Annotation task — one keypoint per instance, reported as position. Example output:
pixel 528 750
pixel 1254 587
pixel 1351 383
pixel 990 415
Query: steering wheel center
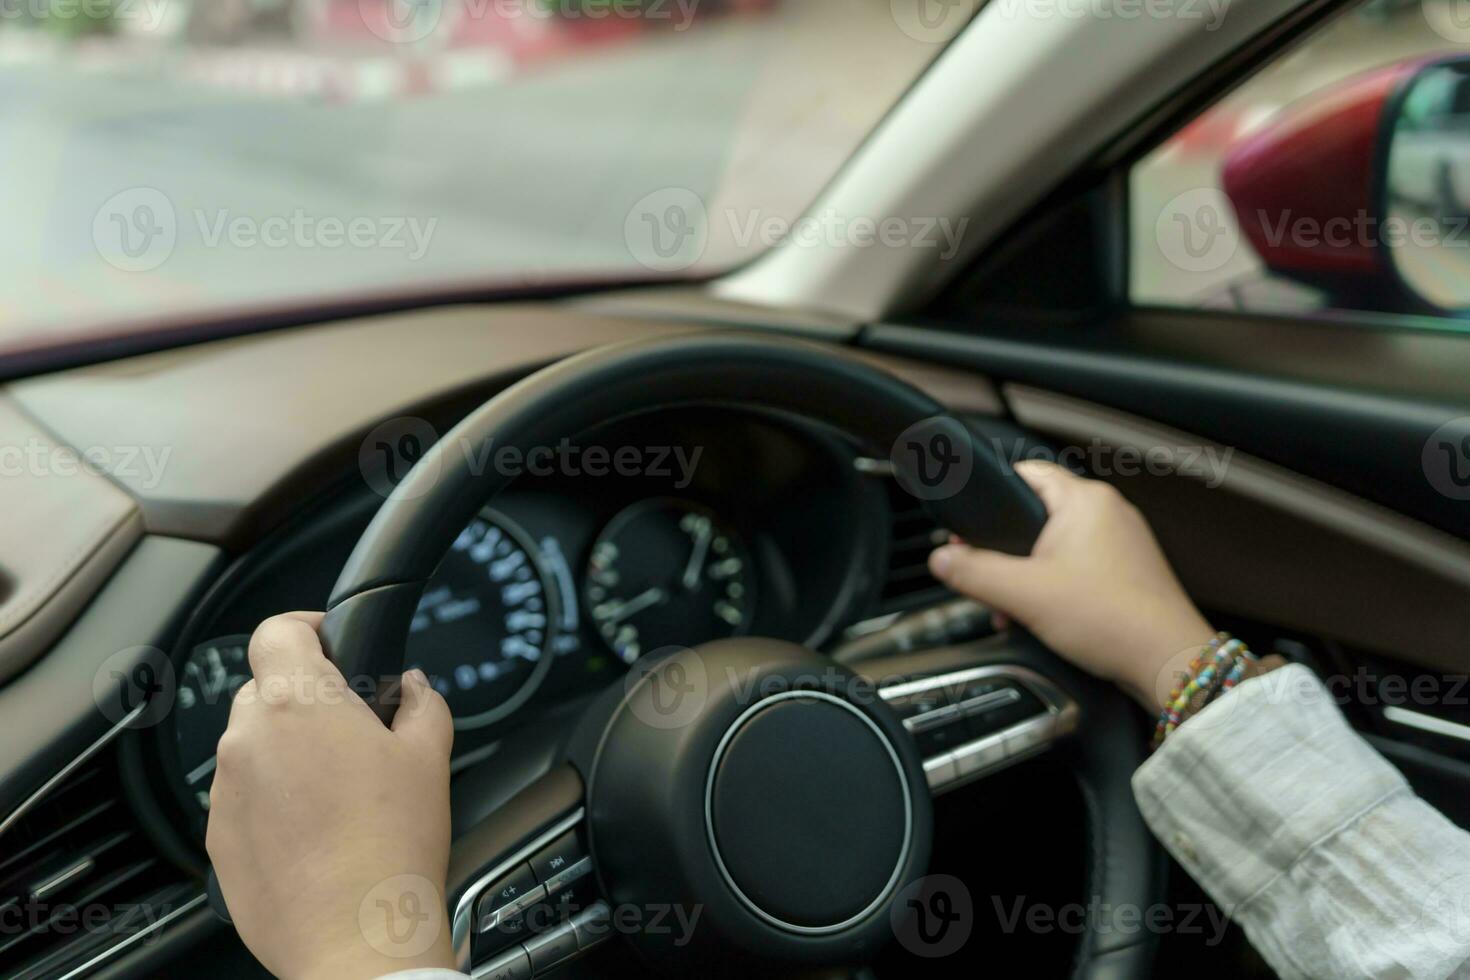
pixel 809 813
pixel 786 809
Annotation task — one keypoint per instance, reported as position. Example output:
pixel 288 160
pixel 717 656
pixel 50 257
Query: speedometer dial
pixel 665 573
pixel 482 631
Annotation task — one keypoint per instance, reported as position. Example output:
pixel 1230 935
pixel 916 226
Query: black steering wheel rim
pixel 378 589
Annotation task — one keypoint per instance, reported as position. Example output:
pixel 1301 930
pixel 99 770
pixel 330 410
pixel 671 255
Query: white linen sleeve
pixel 1308 838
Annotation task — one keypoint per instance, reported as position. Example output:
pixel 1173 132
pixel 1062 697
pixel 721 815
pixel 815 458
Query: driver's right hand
pixel 1096 588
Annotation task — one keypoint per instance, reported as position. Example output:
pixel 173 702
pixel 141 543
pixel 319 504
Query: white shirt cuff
pixel 1302 833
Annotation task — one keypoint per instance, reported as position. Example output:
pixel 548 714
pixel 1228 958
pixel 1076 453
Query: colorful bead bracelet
pixel 1218 668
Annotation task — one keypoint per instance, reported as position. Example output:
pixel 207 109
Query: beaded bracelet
pixel 1222 665
pixel 1195 666
pixel 1188 685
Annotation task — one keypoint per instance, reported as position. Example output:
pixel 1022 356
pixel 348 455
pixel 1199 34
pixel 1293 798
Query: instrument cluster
pixel 564 580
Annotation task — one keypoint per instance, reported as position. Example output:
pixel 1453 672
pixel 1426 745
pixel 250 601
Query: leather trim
pixel 959 391
pixel 254 423
pixel 1274 545
pixel 67 529
pixel 52 711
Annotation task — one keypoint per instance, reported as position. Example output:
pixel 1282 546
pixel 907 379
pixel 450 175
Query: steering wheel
pixel 782 794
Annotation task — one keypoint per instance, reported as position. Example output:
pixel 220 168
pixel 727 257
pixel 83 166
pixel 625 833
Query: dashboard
pixel 737 522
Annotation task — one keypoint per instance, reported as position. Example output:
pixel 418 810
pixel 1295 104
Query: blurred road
pixel 512 179
pixel 504 174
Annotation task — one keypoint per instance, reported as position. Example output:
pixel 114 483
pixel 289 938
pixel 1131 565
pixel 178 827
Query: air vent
pixel 78 878
pixel 913 534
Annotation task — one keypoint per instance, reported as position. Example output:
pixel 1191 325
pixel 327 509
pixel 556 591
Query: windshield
pixel 169 158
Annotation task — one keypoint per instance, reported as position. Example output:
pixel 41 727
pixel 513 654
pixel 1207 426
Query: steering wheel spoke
pixel 525 893
pixel 971 722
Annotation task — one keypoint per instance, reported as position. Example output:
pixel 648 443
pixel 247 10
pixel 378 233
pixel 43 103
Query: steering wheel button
pixel 984 700
pixel 526 900
pixel 512 965
pixel 979 756
pixel 941 771
pixel 933 719
pixel 1029 736
pixel 996 715
pixel 910 705
pixel 933 741
pixel 500 901
pixel 975 689
pixel 593 926
pixel 575 872
pixel 552 947
pixel 557 857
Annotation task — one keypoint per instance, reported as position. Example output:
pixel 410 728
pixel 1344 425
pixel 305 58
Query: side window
pixel 1337 178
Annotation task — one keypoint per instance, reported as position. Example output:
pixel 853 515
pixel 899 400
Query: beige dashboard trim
pixel 1272 544
pixel 252 426
pixel 65 529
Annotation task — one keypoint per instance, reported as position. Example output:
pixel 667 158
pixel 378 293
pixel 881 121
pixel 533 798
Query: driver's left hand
pixel 330 833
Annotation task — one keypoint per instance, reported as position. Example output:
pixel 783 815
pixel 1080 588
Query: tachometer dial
pixel 665 573
pixel 208 682
pixel 482 631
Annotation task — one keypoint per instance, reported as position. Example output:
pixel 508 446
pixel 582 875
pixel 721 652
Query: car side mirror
pixel 1363 190
pixel 1426 183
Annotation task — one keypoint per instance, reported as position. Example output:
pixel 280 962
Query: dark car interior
pixel 1292 468
pixel 829 553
